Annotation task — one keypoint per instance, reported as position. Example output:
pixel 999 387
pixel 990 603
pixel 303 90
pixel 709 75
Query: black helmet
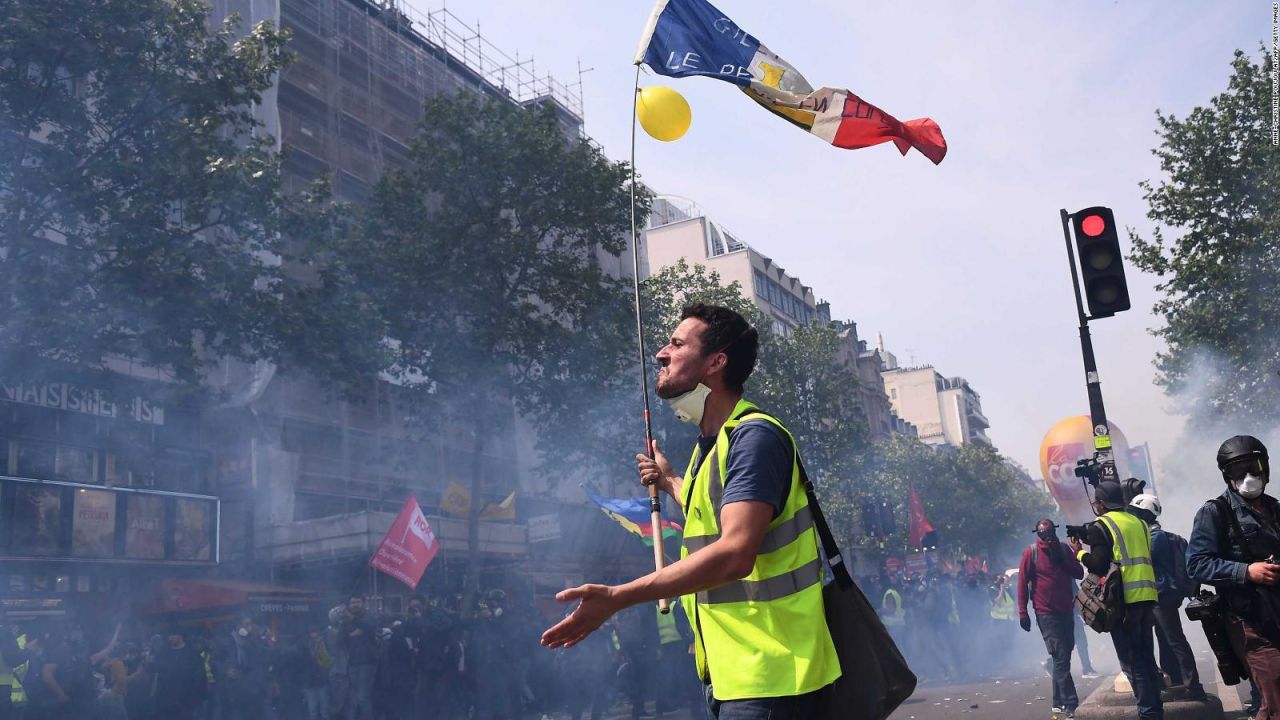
pixel 1241 447
pixel 1110 494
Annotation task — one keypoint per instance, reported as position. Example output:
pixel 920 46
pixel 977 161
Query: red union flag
pixel 408 547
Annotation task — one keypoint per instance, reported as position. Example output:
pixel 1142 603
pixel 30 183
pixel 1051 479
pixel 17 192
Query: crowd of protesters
pixel 956 627
pixel 356 664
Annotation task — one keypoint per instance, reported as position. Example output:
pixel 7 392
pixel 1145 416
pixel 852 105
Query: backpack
pixel 1181 580
pixel 1101 599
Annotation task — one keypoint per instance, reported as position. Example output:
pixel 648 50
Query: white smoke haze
pixel 1187 474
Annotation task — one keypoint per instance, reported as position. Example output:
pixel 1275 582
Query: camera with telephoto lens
pixel 1077 531
pixel 1210 611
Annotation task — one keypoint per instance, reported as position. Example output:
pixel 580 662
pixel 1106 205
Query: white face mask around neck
pixel 689 406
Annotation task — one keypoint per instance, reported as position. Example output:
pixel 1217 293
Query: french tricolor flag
pixel 692 37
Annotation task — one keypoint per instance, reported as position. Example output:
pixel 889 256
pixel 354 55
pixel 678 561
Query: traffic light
pixel 1101 263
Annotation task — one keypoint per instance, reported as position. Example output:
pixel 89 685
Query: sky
pixel 1045 105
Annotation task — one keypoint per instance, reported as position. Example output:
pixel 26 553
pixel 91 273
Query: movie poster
pixel 144 527
pixel 93 525
pixel 37 520
pixel 193 530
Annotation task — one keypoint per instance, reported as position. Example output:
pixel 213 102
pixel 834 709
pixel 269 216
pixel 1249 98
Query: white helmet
pixel 1147 502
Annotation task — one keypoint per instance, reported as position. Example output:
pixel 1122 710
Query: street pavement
pixel 1018 697
pixel 1030 696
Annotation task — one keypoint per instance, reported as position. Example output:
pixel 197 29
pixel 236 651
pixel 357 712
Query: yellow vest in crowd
pixel 765 635
pixel 11 677
pixel 1131 547
pixel 1004 608
pixel 897 616
pixel 667 632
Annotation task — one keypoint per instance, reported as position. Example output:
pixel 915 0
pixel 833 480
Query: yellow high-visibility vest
pixel 12 677
pixel 1004 608
pixel 897 616
pixel 1131 548
pixel 765 635
pixel 667 631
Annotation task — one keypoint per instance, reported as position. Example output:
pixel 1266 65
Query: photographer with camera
pixel 1232 547
pixel 1045 578
pixel 1124 539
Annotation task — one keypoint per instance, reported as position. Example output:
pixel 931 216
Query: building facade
pixel 944 410
pixel 678 229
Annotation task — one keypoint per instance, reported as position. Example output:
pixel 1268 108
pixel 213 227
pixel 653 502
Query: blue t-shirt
pixel 759 464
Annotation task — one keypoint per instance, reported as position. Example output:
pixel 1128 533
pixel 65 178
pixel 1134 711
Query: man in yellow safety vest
pixel 749 569
pixel 13 666
pixel 1120 537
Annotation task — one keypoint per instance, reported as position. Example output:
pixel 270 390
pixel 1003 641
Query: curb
pixel 1107 704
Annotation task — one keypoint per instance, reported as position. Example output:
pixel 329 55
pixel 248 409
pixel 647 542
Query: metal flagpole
pixel 655 500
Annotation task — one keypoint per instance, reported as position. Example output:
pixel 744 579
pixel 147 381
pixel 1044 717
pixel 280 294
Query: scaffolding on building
pixel 352 100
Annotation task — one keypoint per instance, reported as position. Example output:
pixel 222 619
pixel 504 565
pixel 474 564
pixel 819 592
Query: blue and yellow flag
pixel 692 37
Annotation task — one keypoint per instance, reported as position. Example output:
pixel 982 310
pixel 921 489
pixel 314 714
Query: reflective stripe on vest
pixel 1131 539
pixel 667 632
pixel 766 634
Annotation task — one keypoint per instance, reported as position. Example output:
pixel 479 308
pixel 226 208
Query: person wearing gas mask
pixel 748 534
pixel 1045 579
pixel 1121 537
pixel 1233 546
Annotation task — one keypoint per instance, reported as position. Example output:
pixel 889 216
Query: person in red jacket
pixel 1045 576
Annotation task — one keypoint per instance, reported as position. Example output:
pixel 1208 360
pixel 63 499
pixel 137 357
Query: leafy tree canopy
pixel 137 197
pixel 1216 250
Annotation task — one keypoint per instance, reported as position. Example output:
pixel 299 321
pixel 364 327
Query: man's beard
pixel 666 390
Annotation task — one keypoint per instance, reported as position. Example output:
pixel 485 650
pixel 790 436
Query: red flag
pixel 408 548
pixel 920 525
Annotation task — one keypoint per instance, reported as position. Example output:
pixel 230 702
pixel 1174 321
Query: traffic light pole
pixel 1102 450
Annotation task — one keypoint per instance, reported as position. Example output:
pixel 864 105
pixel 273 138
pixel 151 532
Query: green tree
pixel 972 496
pixel 482 259
pixel 137 196
pixel 803 379
pixel 1216 250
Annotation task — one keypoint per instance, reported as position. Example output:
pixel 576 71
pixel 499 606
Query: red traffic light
pixel 1093 226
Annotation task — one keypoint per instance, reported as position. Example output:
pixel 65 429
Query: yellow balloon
pixel 663 113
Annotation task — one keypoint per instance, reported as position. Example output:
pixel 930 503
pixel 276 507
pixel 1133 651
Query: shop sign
pixel 544 527
pixel 283 607
pixel 76 398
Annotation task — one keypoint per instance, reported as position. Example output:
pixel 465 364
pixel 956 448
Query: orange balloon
pixel 1066 443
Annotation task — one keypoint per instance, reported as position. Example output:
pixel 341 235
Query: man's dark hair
pixel 729 333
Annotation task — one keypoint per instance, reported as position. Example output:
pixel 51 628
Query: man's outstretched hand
pixel 597 603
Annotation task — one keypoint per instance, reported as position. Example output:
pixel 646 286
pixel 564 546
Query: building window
pixel 893 393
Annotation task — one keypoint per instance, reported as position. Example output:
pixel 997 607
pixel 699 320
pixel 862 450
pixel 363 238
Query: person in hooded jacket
pixel 1045 578
pixel 1233 546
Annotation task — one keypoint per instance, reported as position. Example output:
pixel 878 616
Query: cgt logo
pixel 1061 461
